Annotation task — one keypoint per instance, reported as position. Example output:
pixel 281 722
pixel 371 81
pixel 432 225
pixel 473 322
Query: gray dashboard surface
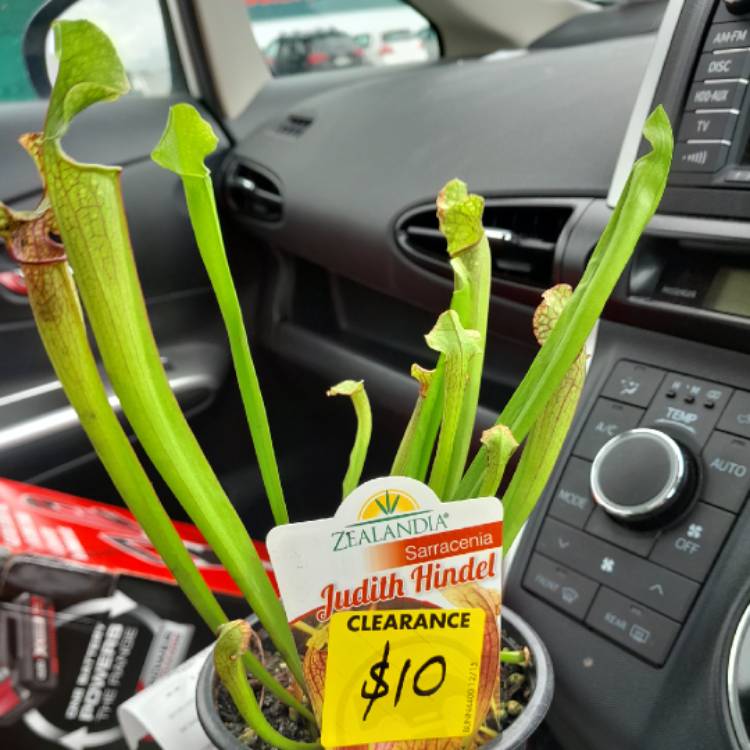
pixel 546 123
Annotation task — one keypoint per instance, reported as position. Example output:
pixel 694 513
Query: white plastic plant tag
pixel 166 710
pixel 395 604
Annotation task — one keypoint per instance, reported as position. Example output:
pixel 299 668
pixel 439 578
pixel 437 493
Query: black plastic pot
pixel 514 738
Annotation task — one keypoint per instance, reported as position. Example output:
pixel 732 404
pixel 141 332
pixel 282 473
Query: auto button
pixel 726 471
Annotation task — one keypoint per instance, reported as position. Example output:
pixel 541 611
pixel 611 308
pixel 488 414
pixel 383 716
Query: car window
pixel 341 34
pixel 137 28
pixel 398 36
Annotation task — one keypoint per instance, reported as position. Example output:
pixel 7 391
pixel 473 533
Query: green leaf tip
pixel 185 143
pixel 460 215
pixel 233 639
pixel 346 388
pixel 450 337
pixel 90 71
pixel 657 130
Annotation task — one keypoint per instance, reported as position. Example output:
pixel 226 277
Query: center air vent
pixel 522 239
pixel 254 194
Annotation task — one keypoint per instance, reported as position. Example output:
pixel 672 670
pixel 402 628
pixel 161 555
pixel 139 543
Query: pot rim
pixel 513 738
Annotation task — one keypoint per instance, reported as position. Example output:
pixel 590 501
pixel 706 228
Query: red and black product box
pixel 89 615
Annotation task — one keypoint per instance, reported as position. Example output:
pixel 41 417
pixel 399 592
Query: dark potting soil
pixel 277 713
pixel 516 687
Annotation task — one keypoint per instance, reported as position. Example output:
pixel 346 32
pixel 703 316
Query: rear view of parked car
pixel 320 50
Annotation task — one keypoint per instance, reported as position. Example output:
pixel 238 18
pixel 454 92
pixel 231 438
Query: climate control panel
pixel 657 476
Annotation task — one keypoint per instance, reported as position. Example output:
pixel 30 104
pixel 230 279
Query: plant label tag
pixel 395 605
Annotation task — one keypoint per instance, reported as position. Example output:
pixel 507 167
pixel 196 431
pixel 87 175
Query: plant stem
pixel 634 209
pixel 187 140
pixel 523 656
pixel 232 642
pixel 89 209
pixel 57 313
pixel 500 445
pixel 547 436
pixel 407 456
pixel 459 346
pixel 355 389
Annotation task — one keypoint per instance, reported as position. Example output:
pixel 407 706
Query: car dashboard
pixel 642 604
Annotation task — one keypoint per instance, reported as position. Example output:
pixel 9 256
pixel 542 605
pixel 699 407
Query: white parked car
pixel 394 47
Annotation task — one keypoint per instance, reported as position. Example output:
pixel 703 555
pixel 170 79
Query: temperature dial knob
pixel 643 476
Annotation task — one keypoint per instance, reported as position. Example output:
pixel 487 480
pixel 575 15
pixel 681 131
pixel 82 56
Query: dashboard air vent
pixel 522 239
pixel 294 125
pixel 254 194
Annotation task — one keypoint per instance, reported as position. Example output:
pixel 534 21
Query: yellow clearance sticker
pixel 401 674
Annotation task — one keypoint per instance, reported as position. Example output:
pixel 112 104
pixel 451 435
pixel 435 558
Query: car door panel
pixel 39 433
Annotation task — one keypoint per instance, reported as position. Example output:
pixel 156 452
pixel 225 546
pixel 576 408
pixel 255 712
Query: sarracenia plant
pixel 75 247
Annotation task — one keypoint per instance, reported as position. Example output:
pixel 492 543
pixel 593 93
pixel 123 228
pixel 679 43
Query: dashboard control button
pixel 635 540
pixel 726 471
pixel 606 420
pixel 731 35
pixel 567 590
pixel 713 126
pixel 723 95
pixel 737 175
pixel 690 547
pixel 690 423
pixel 633 383
pixel 736 418
pixel 628 623
pixel 699 157
pixel 723 65
pixel 729 10
pixel 642 475
pixel 572 502
pixel 650 584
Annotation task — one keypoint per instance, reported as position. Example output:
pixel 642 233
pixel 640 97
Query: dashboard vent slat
pixel 254 194
pixel 294 125
pixel 522 238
